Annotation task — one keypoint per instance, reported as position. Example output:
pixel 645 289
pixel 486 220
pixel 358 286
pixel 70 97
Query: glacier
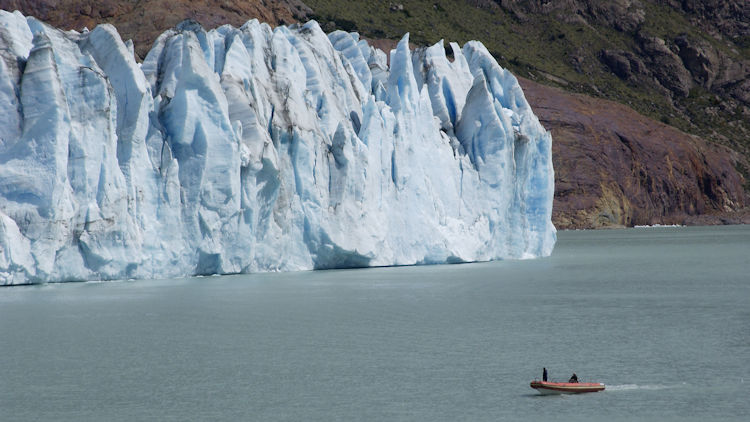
pixel 252 149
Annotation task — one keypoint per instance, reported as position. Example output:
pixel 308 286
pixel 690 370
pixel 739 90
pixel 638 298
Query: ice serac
pixel 258 149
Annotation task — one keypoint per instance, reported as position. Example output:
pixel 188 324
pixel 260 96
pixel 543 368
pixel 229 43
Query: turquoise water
pixel 660 315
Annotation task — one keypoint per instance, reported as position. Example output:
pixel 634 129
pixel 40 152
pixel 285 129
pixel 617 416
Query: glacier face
pixel 258 149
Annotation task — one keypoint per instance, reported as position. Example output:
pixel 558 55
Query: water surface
pixel 660 315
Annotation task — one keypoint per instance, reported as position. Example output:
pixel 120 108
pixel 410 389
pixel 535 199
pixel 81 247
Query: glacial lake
pixel 660 315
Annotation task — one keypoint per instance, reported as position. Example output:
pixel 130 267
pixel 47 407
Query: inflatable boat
pixel 547 387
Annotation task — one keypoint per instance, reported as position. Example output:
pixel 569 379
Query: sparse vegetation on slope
pixel 637 53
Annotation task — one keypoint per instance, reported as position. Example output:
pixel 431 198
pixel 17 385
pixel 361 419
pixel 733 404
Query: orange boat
pixel 546 387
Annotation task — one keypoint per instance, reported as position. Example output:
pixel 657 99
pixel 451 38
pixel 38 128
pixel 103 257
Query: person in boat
pixel 544 374
pixel 573 378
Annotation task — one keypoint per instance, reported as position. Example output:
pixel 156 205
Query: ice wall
pixel 258 149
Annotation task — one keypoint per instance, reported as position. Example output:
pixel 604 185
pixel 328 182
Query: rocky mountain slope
pixel 614 166
pixel 692 58
pixel 680 71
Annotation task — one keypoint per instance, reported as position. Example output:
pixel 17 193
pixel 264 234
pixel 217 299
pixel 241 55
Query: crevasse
pixel 257 149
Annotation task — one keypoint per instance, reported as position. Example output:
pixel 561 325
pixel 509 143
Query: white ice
pixel 257 149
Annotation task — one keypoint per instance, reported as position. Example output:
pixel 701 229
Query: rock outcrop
pixel 614 167
pixel 678 63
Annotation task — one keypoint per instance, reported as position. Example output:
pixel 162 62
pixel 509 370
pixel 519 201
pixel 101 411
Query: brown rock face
pixel 144 20
pixel 614 167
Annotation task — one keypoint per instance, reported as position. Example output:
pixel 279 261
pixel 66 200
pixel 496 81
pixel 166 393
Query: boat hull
pixel 546 387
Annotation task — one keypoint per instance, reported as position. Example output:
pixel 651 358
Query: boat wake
pixel 629 387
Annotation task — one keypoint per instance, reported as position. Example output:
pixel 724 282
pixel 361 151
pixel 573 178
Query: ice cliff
pixel 258 149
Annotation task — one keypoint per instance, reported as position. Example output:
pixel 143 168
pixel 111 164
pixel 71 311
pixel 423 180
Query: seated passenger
pixel 573 378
